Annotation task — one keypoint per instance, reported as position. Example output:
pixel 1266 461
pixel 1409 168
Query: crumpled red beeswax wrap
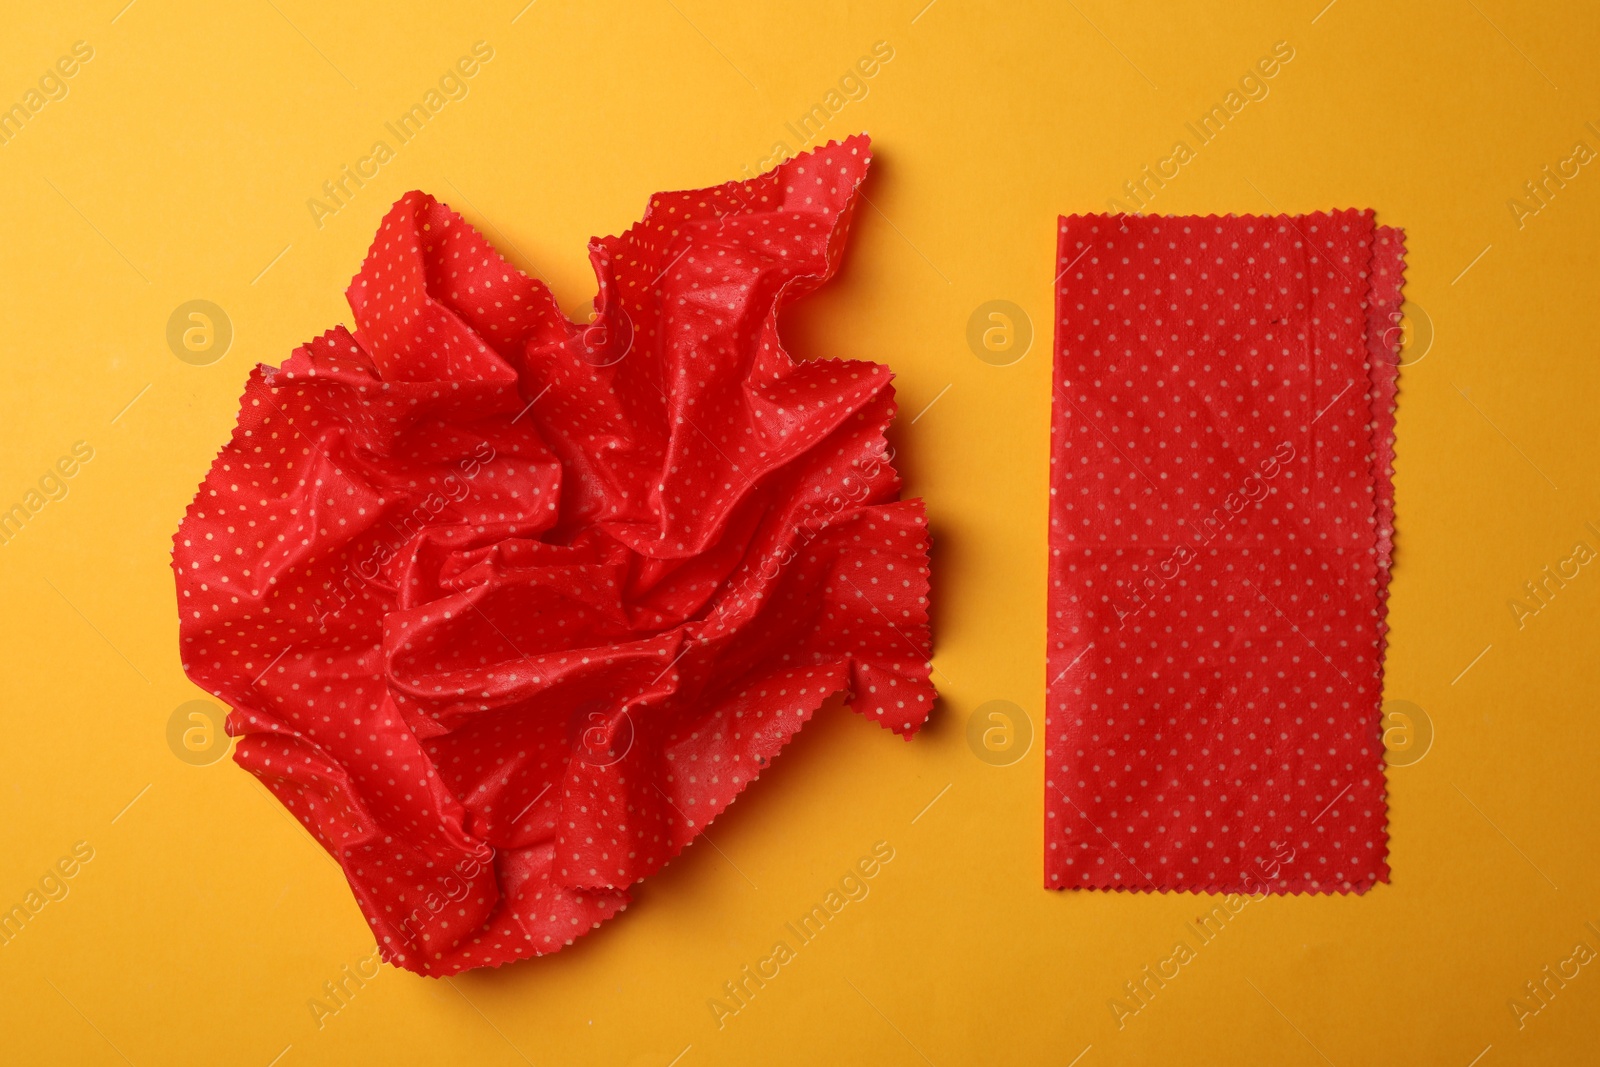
pixel 509 608
pixel 1221 527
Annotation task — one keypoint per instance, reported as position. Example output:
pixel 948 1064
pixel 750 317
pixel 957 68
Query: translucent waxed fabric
pixel 508 607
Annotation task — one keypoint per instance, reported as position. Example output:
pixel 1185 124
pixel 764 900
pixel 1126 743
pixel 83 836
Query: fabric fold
pixel 1221 529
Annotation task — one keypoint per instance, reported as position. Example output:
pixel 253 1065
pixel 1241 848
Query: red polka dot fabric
pixel 509 608
pixel 1221 530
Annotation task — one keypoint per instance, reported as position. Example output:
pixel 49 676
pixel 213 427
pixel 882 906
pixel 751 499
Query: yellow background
pixel 178 167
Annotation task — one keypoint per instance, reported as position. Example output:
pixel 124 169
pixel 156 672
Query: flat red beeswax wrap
pixel 1221 527
pixel 508 608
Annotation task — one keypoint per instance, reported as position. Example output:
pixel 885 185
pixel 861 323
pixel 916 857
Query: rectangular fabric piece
pixel 1221 528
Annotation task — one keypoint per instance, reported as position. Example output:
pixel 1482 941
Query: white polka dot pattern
pixel 509 608
pixel 1221 526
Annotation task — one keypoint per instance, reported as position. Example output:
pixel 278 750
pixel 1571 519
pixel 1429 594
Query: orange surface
pixel 176 915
